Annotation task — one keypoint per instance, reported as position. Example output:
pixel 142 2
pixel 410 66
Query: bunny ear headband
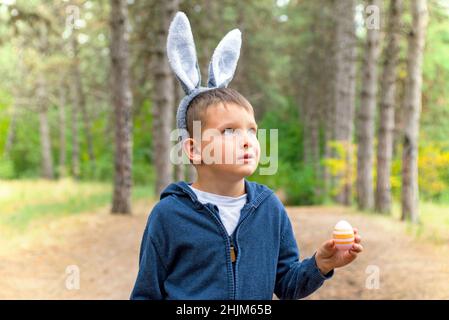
pixel 182 57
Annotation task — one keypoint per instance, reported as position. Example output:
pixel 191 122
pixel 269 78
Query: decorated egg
pixel 343 235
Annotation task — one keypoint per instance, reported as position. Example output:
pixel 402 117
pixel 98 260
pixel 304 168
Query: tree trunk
pixel 122 101
pixel 312 102
pixel 345 90
pixel 163 101
pixel 387 109
pixel 75 134
pixel 11 135
pixel 42 108
pixel 62 131
pixel 365 117
pixel 311 133
pixel 399 116
pixel 44 130
pixel 412 108
pixel 178 93
pixel 328 107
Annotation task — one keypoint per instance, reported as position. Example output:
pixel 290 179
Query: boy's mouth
pixel 246 157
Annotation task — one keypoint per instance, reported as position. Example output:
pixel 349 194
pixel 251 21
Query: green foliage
pixel 301 184
pixel 6 168
pixel 433 173
pixel 143 170
pixel 435 116
pixel 4 119
pixel 338 166
pixel 293 177
pixel 26 153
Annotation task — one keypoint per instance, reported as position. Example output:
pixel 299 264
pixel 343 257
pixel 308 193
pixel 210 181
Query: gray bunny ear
pixel 181 53
pixel 224 60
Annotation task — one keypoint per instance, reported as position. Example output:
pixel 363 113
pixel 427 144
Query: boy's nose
pixel 246 141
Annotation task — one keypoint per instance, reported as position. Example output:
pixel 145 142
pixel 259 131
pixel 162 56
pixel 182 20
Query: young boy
pixel 222 236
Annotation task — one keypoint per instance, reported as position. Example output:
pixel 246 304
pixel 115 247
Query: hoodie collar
pixel 256 193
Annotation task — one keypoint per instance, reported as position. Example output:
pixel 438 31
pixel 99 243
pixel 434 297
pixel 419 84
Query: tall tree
pixel 122 101
pixel 312 100
pixel 327 111
pixel 74 124
pixel 62 128
pixel 318 86
pixel 44 129
pixel 179 169
pixel 345 57
pixel 11 135
pixel 80 98
pixel 387 108
pixel 42 101
pixel 412 106
pixel 163 100
pixel 366 111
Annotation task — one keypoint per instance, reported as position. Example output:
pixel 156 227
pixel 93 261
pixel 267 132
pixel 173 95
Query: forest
pixel 344 115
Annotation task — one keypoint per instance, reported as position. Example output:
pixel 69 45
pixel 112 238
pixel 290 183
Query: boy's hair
pixel 198 106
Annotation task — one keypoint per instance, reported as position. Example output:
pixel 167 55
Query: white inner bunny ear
pixel 224 60
pixel 181 52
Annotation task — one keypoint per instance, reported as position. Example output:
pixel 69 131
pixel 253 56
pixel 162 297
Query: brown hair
pixel 198 106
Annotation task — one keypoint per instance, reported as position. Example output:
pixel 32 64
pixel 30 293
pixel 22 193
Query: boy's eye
pixel 228 131
pixel 231 131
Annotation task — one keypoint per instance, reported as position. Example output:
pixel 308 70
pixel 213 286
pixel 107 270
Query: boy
pixel 222 236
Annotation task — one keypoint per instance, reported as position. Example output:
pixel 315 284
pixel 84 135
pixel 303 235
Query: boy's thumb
pixel 329 245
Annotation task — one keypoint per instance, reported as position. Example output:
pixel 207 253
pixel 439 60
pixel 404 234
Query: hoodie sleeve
pixel 295 279
pixel 152 272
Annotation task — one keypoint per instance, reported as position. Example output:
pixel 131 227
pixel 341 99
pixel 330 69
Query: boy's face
pixel 229 144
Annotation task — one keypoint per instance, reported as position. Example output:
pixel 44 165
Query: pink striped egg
pixel 343 235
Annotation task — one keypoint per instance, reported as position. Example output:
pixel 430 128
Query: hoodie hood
pixel 256 193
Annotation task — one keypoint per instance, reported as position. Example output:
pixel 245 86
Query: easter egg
pixel 343 235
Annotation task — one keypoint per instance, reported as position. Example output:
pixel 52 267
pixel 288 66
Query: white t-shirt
pixel 228 207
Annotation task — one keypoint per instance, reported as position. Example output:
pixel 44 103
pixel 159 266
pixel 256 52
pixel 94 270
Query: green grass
pixel 24 201
pixel 433 224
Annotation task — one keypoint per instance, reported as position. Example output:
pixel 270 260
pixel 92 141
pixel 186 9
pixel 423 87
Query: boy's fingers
pixel 357 239
pixel 356 231
pixel 350 255
pixel 357 248
pixel 329 246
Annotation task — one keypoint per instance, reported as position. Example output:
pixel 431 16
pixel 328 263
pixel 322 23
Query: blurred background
pixel 356 89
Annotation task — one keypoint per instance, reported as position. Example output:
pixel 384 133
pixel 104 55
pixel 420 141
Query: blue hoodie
pixel 185 251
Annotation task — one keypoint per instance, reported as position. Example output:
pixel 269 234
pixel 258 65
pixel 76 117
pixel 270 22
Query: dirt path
pixel 105 249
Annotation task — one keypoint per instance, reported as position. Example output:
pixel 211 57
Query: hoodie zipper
pixel 232 244
pixel 229 240
pixel 233 250
pixel 233 263
pixel 234 270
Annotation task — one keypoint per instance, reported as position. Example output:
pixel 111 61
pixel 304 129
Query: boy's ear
pixel 181 53
pixel 192 151
pixel 224 60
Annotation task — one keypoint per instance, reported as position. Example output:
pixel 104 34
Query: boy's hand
pixel 328 257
